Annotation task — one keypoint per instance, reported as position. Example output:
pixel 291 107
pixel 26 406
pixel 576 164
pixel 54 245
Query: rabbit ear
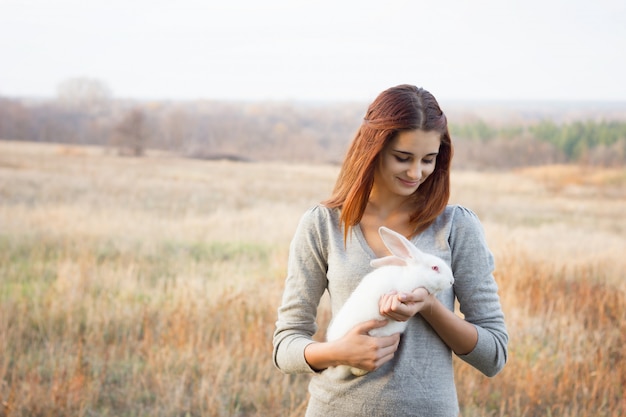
pixel 398 245
pixel 387 260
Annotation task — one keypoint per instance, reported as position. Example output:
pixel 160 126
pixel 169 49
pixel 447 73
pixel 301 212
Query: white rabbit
pixel 406 269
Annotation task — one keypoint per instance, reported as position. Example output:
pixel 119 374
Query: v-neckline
pixel 367 248
pixel 363 242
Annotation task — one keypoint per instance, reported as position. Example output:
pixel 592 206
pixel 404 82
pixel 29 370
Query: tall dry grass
pixel 149 286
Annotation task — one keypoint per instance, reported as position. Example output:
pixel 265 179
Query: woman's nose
pixel 415 172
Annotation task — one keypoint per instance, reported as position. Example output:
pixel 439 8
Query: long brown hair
pixel 400 108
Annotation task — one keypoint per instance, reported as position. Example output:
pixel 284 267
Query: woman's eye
pixel 429 161
pixel 401 159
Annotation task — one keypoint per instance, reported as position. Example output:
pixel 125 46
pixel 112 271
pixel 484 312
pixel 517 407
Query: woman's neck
pixel 385 205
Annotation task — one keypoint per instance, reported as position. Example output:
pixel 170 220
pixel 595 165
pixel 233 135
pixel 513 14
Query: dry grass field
pixel 149 287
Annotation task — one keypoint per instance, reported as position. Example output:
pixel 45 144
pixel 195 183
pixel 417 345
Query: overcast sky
pixel 317 50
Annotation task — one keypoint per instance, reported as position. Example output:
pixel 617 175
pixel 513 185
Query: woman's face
pixel 407 161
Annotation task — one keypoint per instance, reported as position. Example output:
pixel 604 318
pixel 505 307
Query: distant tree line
pixel 84 113
pixel 200 129
pixel 582 141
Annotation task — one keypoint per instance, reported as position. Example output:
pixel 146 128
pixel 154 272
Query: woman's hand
pixel 460 335
pixel 403 306
pixel 357 349
pixel 367 352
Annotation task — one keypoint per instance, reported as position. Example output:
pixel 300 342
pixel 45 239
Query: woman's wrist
pixel 319 355
pixel 430 303
pixel 460 335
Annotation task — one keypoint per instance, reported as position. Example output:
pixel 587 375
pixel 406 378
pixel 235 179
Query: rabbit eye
pixel 435 268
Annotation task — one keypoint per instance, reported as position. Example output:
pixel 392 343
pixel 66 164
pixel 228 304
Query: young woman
pixel 396 174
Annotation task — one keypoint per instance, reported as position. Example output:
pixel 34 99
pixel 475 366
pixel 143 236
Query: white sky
pixel 317 50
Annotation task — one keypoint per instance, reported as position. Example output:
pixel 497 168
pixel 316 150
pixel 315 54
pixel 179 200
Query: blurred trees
pixel 15 120
pixel 85 113
pixel 543 142
pixel 601 142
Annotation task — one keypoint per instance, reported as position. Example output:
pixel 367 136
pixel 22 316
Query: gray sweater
pixel 419 380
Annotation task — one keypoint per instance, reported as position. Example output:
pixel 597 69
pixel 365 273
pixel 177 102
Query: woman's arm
pixel 304 285
pixel 480 337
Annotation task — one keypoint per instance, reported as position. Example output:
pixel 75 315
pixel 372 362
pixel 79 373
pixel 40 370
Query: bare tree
pixel 131 133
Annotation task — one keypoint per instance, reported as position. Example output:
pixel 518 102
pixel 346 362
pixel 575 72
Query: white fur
pixel 406 269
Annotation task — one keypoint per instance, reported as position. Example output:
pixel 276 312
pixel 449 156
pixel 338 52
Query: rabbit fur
pixel 406 269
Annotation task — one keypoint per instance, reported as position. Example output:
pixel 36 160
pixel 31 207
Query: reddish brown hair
pixel 397 109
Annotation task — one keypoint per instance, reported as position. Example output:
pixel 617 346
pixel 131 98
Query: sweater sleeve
pixel 477 292
pixel 305 284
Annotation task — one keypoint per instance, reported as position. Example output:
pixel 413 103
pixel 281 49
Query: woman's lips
pixel 409 183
